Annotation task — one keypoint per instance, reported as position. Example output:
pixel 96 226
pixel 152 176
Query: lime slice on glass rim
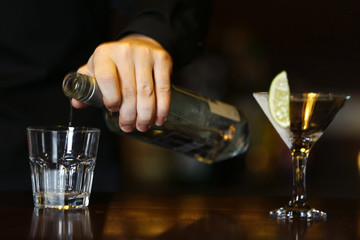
pixel 279 100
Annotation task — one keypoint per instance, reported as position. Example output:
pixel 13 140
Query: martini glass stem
pixel 299 157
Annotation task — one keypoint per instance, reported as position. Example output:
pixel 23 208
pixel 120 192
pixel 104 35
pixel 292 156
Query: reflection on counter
pixel 61 224
pixel 174 216
pixel 297 228
pixel 145 219
pixel 196 217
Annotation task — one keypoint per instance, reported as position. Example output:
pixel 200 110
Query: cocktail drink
pixel 310 114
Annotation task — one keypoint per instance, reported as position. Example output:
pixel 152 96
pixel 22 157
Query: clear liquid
pixel 310 117
pixel 206 144
pixel 65 184
pixel 319 110
pixel 70 114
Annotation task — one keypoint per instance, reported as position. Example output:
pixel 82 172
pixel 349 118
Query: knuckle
pixel 101 48
pixel 164 89
pixel 105 77
pixel 146 90
pixel 163 56
pixel 125 49
pixel 128 92
pixel 145 50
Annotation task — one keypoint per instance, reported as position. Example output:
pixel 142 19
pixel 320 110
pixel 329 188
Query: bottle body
pixel 205 129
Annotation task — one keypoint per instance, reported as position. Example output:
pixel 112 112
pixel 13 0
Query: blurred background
pixel 249 42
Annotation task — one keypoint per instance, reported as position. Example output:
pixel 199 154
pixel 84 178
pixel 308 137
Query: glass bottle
pixel 206 129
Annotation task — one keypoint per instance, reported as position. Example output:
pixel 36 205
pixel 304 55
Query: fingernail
pixel 127 128
pixel 142 128
pixel 113 109
pixel 160 121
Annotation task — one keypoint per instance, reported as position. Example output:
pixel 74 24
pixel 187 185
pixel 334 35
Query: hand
pixel 133 75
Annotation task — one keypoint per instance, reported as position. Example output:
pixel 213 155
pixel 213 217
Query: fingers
pixel 153 69
pixel 103 68
pixel 128 111
pixel 133 75
pixel 105 72
pixel 145 92
pixel 162 72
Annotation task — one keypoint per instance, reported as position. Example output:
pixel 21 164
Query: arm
pixel 179 26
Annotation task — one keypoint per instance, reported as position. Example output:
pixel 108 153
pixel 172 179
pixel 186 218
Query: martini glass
pixel 310 114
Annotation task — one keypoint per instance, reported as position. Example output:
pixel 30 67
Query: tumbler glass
pixel 62 162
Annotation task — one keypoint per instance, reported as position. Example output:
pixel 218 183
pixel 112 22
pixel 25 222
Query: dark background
pixel 249 42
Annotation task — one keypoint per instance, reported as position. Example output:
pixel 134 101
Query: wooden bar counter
pixel 188 216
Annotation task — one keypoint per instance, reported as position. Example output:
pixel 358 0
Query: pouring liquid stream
pixel 69 134
pixel 70 114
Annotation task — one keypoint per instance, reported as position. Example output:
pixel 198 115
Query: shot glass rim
pixel 63 128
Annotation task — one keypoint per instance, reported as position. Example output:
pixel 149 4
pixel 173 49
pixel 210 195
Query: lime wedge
pixel 279 100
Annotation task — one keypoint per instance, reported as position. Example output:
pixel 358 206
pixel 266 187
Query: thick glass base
pixel 305 213
pixel 61 200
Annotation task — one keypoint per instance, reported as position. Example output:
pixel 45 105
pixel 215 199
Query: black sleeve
pixel 180 26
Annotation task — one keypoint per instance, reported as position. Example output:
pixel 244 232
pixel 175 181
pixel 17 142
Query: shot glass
pixel 62 162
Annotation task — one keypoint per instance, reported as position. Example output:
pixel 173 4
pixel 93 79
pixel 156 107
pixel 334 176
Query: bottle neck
pixel 82 88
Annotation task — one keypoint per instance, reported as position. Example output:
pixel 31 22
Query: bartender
pixel 41 41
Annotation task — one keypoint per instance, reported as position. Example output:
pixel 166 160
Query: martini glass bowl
pixel 310 114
